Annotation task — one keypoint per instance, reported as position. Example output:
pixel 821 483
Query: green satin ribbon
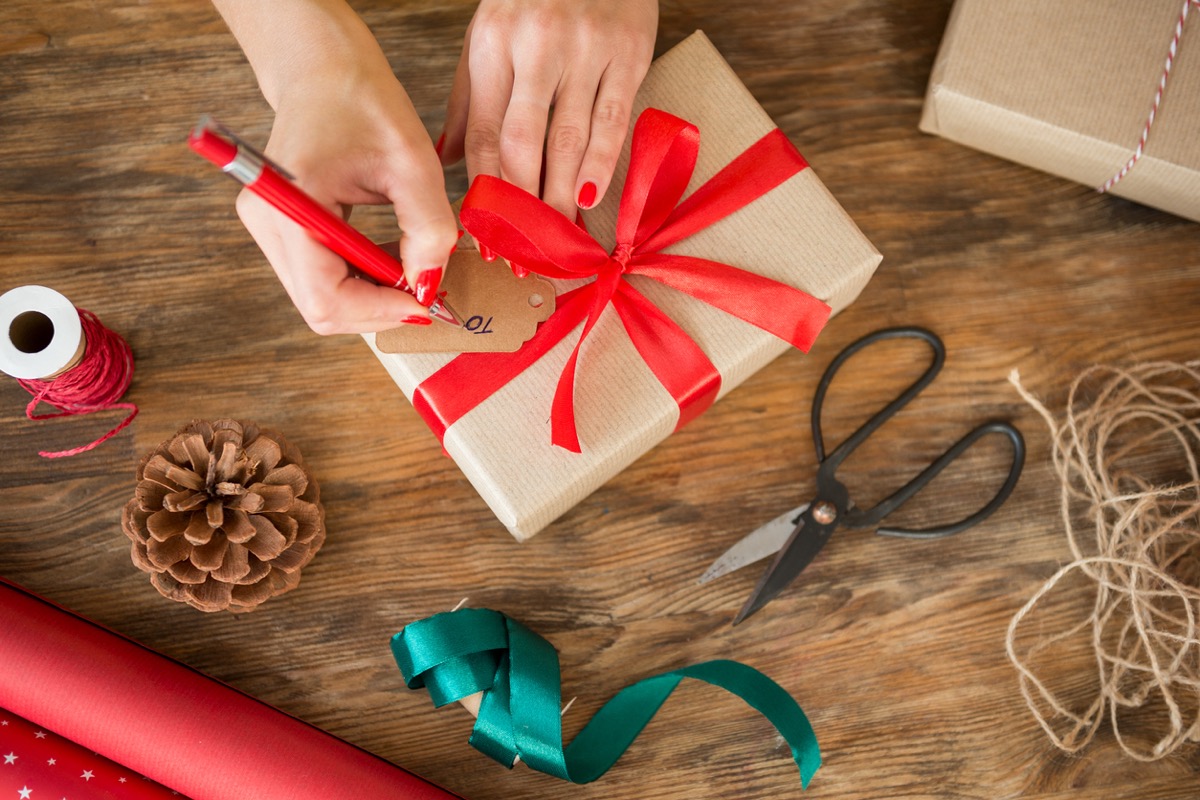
pixel 474 650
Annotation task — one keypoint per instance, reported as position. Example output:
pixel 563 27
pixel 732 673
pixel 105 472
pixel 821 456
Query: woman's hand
pixel 558 73
pixel 347 131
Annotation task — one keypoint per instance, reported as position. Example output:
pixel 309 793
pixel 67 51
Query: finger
pixel 491 84
pixel 333 300
pixel 414 184
pixel 523 132
pixel 321 286
pixel 610 126
pixel 452 142
pixel 567 142
pixel 256 215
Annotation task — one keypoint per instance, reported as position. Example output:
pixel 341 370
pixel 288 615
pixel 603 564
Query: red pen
pixel 271 183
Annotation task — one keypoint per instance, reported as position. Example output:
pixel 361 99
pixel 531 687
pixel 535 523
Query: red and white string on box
pixel 63 356
pixel 1158 96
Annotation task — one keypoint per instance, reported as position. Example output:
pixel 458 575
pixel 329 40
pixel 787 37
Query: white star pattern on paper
pixel 3 723
pixel 37 775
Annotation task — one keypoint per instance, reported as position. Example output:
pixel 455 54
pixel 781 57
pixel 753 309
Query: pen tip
pixel 442 311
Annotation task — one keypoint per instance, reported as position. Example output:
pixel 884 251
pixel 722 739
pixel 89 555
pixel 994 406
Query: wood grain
pixel 895 648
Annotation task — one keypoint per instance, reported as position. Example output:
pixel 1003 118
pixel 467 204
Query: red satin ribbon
pixel 526 231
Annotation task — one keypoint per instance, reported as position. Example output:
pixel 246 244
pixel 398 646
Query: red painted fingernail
pixel 454 247
pixel 486 252
pixel 587 195
pixel 427 286
pixel 519 271
pixel 416 319
pixel 437 148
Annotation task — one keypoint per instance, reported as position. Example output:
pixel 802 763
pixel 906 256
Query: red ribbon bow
pixel 526 231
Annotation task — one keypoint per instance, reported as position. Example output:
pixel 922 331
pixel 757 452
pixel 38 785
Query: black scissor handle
pixel 830 465
pixel 872 516
pixel 826 474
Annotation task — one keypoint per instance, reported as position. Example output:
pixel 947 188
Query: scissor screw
pixel 824 512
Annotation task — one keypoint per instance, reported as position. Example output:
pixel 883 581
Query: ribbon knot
pixel 651 218
pixel 621 254
pixel 479 650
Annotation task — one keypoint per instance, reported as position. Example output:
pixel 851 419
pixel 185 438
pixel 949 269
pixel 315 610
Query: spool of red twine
pixel 95 380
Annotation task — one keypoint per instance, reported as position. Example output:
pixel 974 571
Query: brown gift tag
pixel 500 312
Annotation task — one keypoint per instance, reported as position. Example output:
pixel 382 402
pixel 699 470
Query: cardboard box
pixel 1067 87
pixel 797 234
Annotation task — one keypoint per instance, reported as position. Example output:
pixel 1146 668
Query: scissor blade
pixel 800 549
pixel 761 543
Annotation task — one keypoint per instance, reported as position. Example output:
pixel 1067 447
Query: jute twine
pixel 1126 457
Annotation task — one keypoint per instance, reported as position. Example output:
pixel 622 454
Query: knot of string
pixel 1128 604
pixel 621 254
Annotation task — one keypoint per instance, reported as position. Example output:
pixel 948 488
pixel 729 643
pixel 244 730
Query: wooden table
pixel 895 648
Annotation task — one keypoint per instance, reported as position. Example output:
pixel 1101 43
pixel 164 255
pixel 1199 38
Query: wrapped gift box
pixel 1067 88
pixel 796 234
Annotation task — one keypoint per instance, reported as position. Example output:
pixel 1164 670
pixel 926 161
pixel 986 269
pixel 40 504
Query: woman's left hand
pixel 552 75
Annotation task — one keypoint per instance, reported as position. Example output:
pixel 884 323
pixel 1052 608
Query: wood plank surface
pixel 895 648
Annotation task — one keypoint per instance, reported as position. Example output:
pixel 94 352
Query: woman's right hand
pixel 348 133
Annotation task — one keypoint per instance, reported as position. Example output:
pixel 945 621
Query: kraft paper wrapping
pixel 170 723
pixel 1066 87
pixel 797 234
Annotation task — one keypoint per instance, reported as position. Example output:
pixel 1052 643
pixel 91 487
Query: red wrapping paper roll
pixel 171 723
pixel 39 763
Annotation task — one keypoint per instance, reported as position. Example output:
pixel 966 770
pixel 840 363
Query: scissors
pixel 798 535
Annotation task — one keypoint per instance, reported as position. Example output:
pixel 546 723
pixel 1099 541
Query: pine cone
pixel 224 516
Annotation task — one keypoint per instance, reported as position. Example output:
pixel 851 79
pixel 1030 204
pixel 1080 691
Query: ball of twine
pixel 1126 457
